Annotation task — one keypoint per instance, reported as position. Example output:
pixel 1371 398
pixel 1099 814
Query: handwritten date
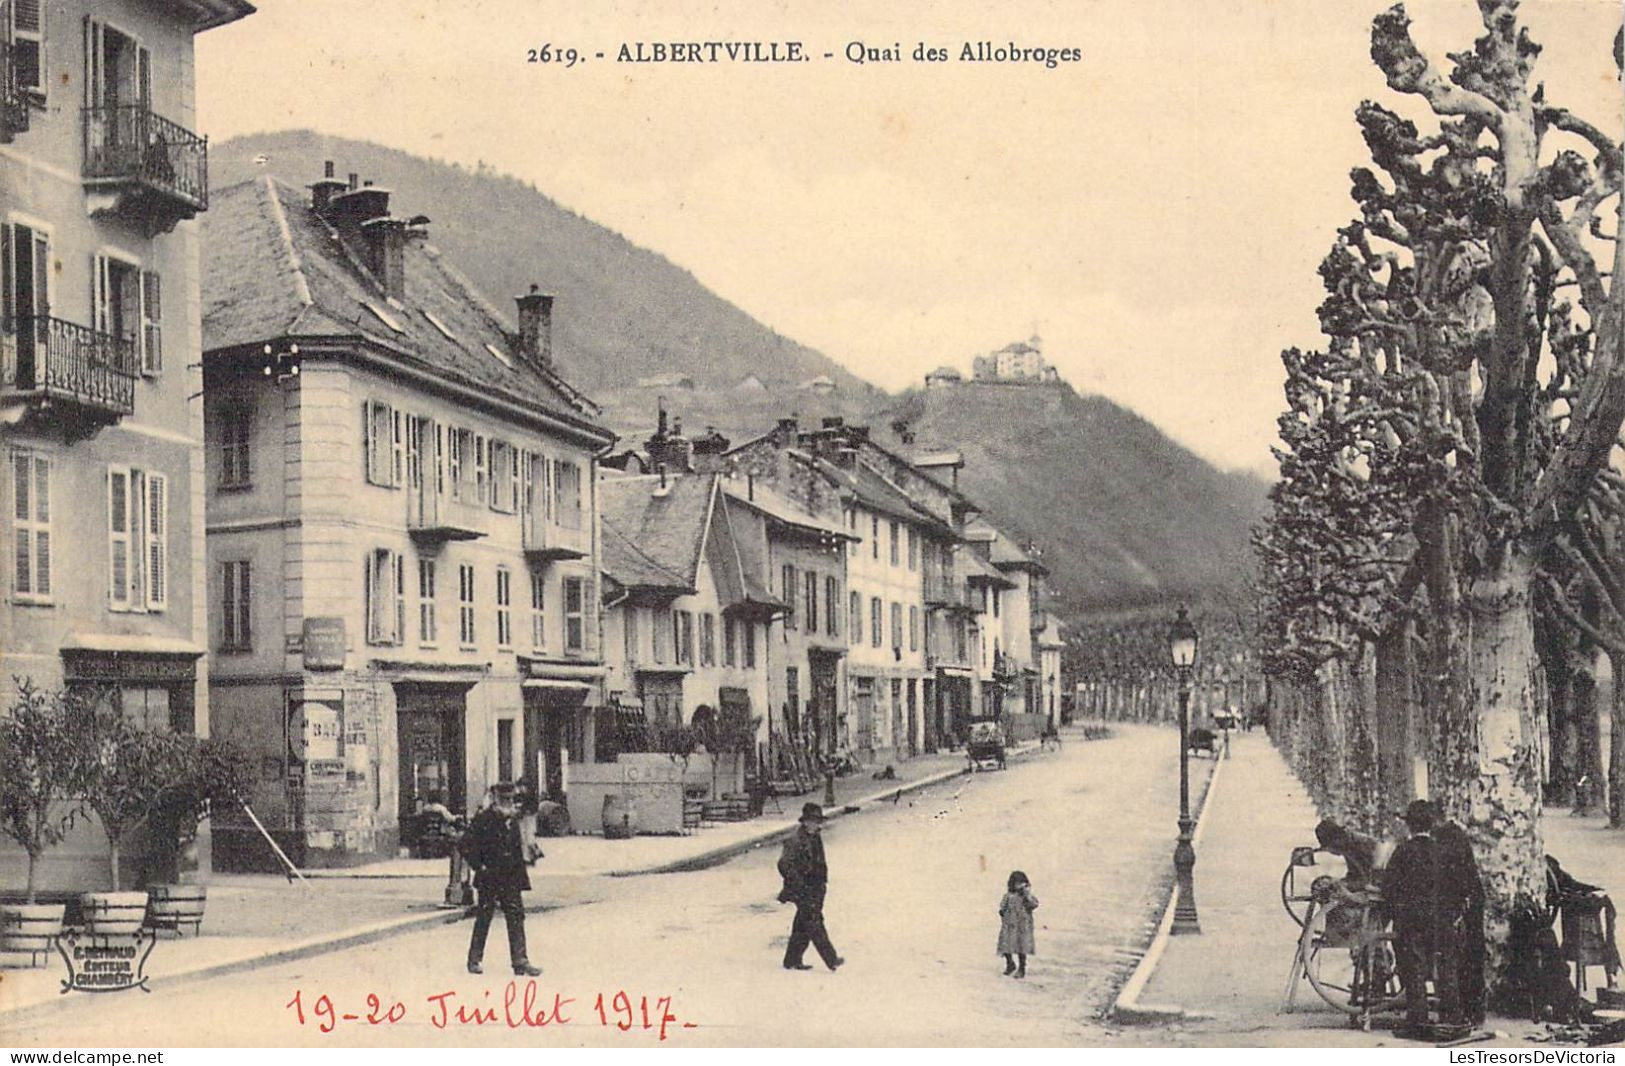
pixel 523 1006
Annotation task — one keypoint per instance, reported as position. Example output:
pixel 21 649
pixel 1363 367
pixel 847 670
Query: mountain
pixel 624 314
pixel 1125 516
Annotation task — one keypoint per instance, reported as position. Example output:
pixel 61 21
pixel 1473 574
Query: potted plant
pixel 128 771
pixel 40 771
pixel 205 772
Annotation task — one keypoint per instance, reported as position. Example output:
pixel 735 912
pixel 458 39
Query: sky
pixel 1154 211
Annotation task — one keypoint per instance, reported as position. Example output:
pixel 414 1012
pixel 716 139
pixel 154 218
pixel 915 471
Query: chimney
pixel 784 434
pixel 536 327
pixel 321 192
pixel 385 242
pixel 834 422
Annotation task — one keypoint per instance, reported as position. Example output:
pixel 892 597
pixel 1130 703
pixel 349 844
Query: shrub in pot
pixel 41 772
pixel 205 772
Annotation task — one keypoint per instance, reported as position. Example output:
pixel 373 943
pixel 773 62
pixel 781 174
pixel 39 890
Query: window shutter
pixel 118 536
pixel 22 511
pixel 152 339
pixel 399 567
pixel 8 272
pixel 100 294
pixel 369 466
pixel 42 525
pixel 157 541
pixel 28 28
pixel 228 605
pixel 397 449
pixel 370 623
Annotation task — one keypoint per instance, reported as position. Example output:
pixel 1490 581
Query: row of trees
pixel 64 754
pixel 1444 551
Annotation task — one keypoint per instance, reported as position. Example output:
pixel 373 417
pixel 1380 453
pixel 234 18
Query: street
pixel 914 892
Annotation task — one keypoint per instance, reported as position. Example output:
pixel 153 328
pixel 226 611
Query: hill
pixel 1126 517
pixel 624 314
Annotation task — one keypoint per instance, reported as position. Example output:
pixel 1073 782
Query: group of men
pixel 495 849
pixel 1432 892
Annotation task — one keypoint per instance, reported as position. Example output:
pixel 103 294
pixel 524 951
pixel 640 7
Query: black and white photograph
pixel 713 524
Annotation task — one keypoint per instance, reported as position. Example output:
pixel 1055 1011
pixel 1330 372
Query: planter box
pixel 114 912
pixel 30 930
pixel 176 906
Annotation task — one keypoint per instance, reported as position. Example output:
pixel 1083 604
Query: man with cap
pixel 495 851
pixel 1416 890
pixel 805 879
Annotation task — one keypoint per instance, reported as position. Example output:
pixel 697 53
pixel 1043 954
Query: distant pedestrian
pixel 806 878
pixel 495 851
pixel 1016 924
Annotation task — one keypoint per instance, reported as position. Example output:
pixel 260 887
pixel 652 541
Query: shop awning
pixel 549 684
pixel 131 644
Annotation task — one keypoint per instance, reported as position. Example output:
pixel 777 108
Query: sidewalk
pixel 1226 985
pixel 257 920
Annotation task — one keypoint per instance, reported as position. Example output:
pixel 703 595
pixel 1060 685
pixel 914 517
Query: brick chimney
pixel 321 192
pixel 385 243
pixel 536 327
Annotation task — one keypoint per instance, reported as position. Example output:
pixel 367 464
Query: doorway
pixel 430 722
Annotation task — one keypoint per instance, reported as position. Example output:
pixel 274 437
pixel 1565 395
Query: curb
pixel 1127 1008
pixel 723 853
pixel 300 949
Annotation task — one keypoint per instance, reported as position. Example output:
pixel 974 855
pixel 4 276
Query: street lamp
pixel 1182 641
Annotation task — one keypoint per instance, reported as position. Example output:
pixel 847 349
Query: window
pixel 138 539
pixel 459 463
pixel 662 626
pixel 384 593
pixel 913 549
pixel 28 45
pixel 575 616
pixel 708 639
pixel 748 645
pixel 236 627
pixel 787 588
pixel 567 507
pixel 874 535
pixel 854 620
pixel 236 429
pixel 504 749
pixel 832 606
pixel 896 537
pixel 538 612
pixel 482 471
pixel 730 642
pixel 504 477
pixel 465 605
pixel 31 523
pixel 812 602
pixel 913 629
pixel 629 615
pixel 897 626
pixel 25 292
pixel 384 446
pixel 504 607
pixel 876 622
pixel 683 626
pixel 427 634
pixel 125 301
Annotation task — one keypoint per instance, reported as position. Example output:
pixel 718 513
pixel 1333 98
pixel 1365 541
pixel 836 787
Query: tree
pixel 1456 280
pixel 129 770
pixel 41 773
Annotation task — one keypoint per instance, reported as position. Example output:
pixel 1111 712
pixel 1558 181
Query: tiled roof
pixel 654 540
pixel 877 494
pixel 972 566
pixel 272 269
pixel 781 508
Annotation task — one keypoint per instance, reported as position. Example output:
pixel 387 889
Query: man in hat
pixel 805 879
pixel 495 851
pixel 1416 890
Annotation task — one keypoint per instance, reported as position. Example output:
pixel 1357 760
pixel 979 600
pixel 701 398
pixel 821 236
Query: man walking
pixel 805 879
pixel 494 850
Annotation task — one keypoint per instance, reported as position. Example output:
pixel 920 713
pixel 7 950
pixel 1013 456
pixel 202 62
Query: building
pixel 944 377
pixel 686 620
pixel 1015 690
pixel 101 177
pixel 1049 642
pixel 402 533
pixel 803 555
pixel 1018 362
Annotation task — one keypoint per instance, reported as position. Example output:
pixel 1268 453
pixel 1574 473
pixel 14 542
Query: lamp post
pixel 1182 641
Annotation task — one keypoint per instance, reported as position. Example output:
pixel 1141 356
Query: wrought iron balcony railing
pixel 130 145
pixel 62 361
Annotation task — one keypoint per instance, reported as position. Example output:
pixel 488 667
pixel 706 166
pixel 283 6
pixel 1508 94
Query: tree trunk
pixel 1564 757
pixel 1487 766
pixel 1616 745
pixel 1396 718
pixel 113 860
pixel 1365 772
pixel 33 877
pixel 1588 792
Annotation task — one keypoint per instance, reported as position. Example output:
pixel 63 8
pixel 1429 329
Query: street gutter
pixel 1127 1008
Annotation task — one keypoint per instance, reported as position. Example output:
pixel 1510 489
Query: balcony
pixel 435 517
pixel 944 591
pixel 144 168
pixel 71 369
pixel 547 539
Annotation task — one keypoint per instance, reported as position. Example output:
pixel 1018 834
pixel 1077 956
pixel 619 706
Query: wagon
pixel 985 748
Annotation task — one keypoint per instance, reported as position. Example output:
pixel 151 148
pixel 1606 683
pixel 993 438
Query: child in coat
pixel 1016 924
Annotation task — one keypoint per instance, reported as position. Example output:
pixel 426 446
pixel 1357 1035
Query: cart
pixel 985 748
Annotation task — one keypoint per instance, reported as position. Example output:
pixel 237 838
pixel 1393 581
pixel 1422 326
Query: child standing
pixel 1016 924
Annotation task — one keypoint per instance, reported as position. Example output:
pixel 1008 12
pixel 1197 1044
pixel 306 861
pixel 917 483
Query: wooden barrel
pixel 114 912
pixel 30 927
pixel 174 906
pixel 618 817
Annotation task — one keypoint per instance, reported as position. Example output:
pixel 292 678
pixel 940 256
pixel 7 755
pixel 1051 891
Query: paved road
pixel 912 906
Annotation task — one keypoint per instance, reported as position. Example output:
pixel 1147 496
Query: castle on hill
pixel 1017 363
